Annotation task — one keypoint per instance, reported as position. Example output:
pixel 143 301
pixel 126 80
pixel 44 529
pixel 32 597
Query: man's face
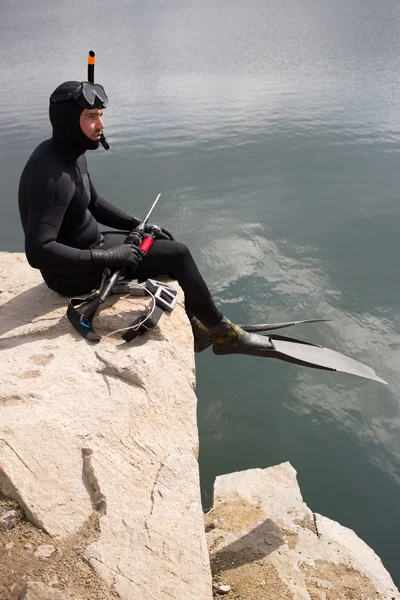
pixel 91 123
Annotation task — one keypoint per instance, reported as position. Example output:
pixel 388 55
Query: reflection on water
pixel 273 132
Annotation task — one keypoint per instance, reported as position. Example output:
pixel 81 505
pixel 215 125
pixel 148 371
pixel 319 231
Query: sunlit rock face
pixel 106 432
pixel 265 541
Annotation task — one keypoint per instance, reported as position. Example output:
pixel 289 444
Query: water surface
pixel 273 132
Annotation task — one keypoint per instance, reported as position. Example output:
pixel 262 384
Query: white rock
pixel 45 551
pixel 38 591
pixel 110 428
pixel 8 520
pixel 284 516
pixel 224 589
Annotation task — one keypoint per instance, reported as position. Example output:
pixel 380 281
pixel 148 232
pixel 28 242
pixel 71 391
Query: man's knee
pixel 181 251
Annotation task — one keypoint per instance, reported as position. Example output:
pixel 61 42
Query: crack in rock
pixel 107 383
pixel 17 455
pixel 128 376
pixel 316 525
pixel 91 483
pixel 146 523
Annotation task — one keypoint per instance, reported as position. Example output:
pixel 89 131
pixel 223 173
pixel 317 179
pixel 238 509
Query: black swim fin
pixel 203 342
pixel 295 351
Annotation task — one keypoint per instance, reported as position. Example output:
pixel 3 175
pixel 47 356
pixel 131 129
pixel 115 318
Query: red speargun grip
pixel 146 244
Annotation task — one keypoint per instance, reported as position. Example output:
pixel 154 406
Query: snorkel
pixel 91 63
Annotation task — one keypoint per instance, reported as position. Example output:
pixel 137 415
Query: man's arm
pixel 49 200
pixel 109 215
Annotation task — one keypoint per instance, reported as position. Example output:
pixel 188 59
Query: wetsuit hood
pixel 64 117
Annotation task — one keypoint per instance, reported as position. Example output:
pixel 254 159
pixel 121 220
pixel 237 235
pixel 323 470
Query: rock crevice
pixel 98 499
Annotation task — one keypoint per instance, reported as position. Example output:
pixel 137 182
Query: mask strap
pixel 69 96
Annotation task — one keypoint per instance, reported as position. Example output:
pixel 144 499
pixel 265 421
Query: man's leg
pixel 175 260
pixel 165 257
pixel 80 284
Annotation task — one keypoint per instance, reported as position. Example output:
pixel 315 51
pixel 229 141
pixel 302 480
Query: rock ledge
pixel 105 434
pixel 265 542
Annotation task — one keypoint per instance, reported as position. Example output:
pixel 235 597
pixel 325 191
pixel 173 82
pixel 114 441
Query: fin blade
pixel 323 358
pixel 270 326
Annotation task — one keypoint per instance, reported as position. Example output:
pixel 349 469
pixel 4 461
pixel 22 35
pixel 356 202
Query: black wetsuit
pixel 60 211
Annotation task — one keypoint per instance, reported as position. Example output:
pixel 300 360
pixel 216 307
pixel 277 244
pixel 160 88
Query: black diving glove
pixel 158 233
pixel 119 256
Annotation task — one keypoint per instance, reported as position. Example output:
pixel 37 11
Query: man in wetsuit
pixel 60 214
pixel 61 211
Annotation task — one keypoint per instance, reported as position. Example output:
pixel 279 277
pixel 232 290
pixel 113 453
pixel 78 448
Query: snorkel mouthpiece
pixel 104 142
pixel 91 63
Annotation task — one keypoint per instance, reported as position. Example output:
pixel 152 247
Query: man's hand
pixel 119 256
pixel 158 233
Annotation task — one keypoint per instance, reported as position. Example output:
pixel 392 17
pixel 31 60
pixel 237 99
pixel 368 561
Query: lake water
pixel 272 131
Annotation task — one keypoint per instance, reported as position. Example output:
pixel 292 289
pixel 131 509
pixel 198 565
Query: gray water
pixel 273 132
